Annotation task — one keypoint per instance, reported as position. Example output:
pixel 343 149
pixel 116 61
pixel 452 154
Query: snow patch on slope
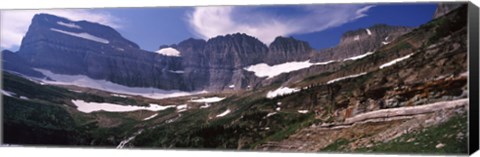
pixel 85 81
pixel 356 38
pixel 359 56
pixel 346 77
pixel 24 98
pixel 368 31
pixel 153 116
pixel 208 100
pixel 70 25
pixel 206 105
pixel 116 95
pixel 169 52
pixel 224 113
pixel 281 91
pixel 177 71
pixel 83 36
pixel 303 111
pixel 395 61
pixel 182 108
pixel 265 70
pixel 7 93
pixel 271 114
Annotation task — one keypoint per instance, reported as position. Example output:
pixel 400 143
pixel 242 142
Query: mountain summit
pixel 84 48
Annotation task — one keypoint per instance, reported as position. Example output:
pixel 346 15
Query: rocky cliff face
pixel 444 8
pixel 283 49
pixel 361 41
pixel 84 48
pixel 434 78
pixel 14 63
pixel 218 63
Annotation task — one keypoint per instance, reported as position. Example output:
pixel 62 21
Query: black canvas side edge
pixel 473 43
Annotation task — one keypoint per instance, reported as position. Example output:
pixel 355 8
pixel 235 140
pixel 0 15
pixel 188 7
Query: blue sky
pixel 411 15
pixel 152 27
pixel 320 25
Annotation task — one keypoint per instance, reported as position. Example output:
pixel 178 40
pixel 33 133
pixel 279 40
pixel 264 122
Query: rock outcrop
pixel 444 8
pixel 97 51
pixel 283 50
pixel 361 41
pixel 13 63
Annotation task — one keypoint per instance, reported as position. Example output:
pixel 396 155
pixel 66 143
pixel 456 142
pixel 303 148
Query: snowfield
pixel 83 36
pixel 265 70
pixel 89 107
pixel 281 91
pixel 208 100
pixel 70 25
pixel 224 113
pixel 169 52
pixel 359 56
pixel 346 77
pixel 395 61
pixel 85 81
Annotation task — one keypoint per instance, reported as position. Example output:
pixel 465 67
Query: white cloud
pixel 14 23
pixel 208 22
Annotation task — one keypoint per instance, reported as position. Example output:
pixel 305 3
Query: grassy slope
pixel 49 118
pixel 451 133
pixel 241 129
pixel 27 122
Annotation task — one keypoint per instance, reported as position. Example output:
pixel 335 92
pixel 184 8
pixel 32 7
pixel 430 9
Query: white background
pixel 87 152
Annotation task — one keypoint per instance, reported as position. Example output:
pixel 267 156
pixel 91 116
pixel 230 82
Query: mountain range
pixel 70 47
pixel 382 88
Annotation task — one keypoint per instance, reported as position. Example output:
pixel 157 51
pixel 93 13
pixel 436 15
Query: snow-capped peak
pixel 169 52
